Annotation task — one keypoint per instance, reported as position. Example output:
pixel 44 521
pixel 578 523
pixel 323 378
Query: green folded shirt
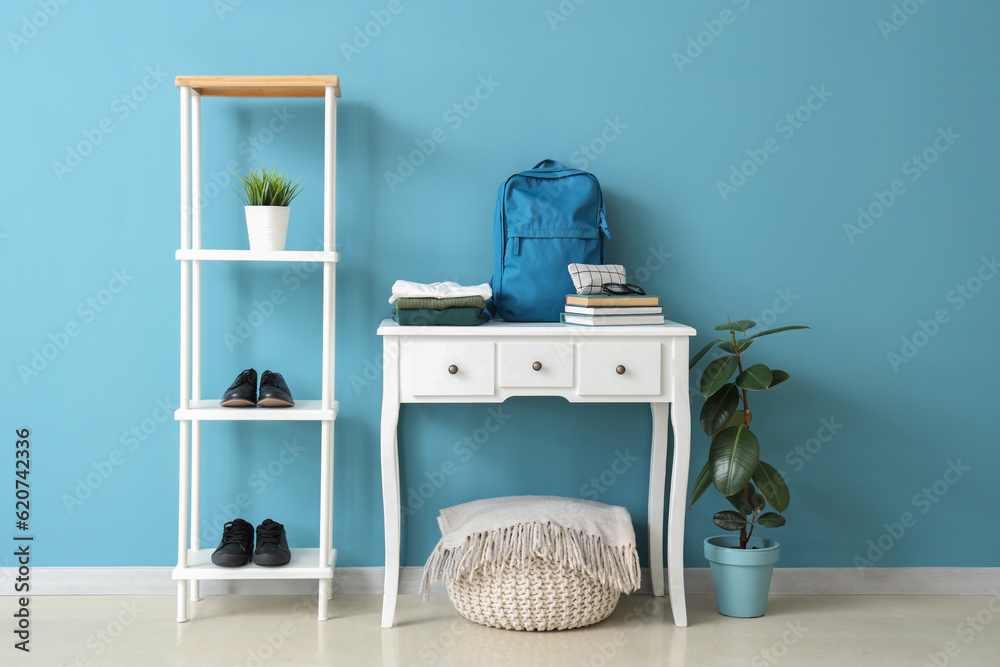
pixel 424 317
pixel 431 303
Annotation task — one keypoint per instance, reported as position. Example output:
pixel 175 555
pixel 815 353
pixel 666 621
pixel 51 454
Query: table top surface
pixel 501 328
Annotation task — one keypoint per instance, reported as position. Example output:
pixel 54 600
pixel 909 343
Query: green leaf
pixel 717 374
pixel 755 378
pixel 738 325
pixel 719 409
pixel 772 486
pixel 696 358
pixel 738 419
pixel 742 506
pixel 774 331
pixel 771 520
pixel 749 506
pixel 268 188
pixel 727 346
pixel 733 456
pixel 701 484
pixel 777 377
pixel 729 520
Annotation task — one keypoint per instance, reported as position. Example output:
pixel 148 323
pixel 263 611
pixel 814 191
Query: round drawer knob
pixel 620 370
pixel 453 369
pixel 537 365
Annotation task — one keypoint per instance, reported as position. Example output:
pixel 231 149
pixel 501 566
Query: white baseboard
pixel 368 581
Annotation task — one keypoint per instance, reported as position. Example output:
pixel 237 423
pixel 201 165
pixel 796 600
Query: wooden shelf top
pixel 261 86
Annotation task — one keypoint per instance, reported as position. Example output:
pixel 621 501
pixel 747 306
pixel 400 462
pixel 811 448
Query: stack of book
pixel 596 310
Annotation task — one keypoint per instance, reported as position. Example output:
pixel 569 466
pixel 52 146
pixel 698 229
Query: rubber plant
pixel 734 466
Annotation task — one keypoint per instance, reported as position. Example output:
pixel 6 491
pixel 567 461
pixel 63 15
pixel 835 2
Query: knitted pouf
pixel 534 562
pixel 542 596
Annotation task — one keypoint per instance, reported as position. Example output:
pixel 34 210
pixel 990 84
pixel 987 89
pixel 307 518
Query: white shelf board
pixel 259 255
pixel 210 410
pixel 304 565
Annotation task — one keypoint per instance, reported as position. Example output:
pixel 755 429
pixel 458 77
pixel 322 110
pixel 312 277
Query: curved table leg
pixel 681 419
pixel 390 480
pixel 657 483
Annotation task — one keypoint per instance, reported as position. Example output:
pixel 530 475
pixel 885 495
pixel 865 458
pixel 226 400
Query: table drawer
pixel 438 368
pixel 620 369
pixel 536 364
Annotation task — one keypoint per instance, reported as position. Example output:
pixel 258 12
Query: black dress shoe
pixel 242 393
pixel 272 546
pixel 236 546
pixel 273 391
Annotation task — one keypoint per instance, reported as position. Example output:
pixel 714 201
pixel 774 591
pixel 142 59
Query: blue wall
pixel 852 104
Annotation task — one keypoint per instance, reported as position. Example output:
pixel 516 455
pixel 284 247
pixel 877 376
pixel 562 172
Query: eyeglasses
pixel 621 288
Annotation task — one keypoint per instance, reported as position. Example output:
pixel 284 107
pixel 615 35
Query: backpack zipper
pixel 603 224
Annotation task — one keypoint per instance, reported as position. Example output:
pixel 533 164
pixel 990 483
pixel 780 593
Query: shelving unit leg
pixel 195 499
pixel 182 601
pixel 324 600
pixel 330 169
pixel 325 493
pixel 182 519
pixel 195 330
pixel 329 324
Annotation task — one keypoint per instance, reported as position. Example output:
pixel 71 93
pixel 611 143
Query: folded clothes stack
pixel 436 304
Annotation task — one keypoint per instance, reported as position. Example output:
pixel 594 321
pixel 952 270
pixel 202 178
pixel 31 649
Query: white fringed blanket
pixel 485 536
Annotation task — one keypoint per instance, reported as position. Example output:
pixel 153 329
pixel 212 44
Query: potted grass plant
pixel 266 196
pixel 741 563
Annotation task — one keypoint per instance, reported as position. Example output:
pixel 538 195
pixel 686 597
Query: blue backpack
pixel 545 218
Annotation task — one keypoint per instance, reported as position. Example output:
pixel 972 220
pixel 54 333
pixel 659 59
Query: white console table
pixel 494 361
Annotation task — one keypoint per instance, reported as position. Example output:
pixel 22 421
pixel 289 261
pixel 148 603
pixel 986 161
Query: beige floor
pixel 256 631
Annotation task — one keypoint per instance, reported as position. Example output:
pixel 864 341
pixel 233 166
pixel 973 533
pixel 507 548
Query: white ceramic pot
pixel 267 226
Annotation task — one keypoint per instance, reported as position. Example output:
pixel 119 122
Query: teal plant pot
pixel 742 577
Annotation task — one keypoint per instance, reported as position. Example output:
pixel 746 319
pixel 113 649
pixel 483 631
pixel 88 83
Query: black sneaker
pixel 236 546
pixel 242 393
pixel 274 392
pixel 272 546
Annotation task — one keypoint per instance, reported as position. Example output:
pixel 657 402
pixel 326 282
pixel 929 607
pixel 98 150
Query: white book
pixel 610 320
pixel 615 310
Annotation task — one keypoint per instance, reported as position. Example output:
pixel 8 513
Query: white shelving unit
pixel 194 562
